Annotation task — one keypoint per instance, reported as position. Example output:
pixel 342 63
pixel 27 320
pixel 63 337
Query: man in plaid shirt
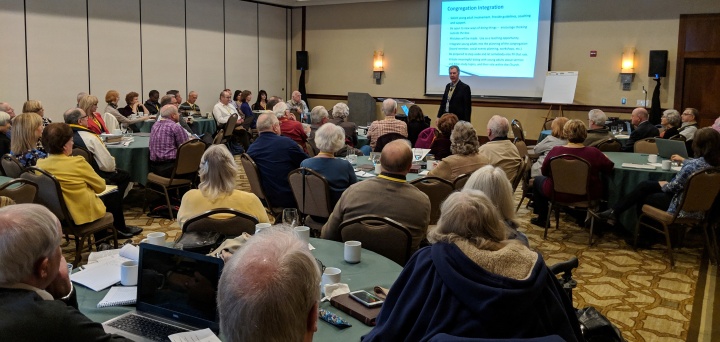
pixel 166 136
pixel 389 125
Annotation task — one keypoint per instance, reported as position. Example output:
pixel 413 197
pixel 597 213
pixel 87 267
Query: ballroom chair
pixel 460 181
pixel 253 175
pixel 111 123
pixel 698 196
pixel 386 139
pixel 646 145
pixel 183 174
pixel 522 148
pixel 437 189
pixel 517 131
pixel 203 232
pixel 527 187
pixel 677 137
pixel 381 235
pixel 608 145
pixel 548 124
pixel 219 138
pixel 50 195
pixel 85 153
pixel 312 195
pixel 20 190
pixel 519 174
pixel 11 166
pixel 571 176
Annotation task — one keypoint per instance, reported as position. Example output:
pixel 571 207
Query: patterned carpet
pixel 636 290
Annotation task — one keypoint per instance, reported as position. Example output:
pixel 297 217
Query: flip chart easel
pixel 559 90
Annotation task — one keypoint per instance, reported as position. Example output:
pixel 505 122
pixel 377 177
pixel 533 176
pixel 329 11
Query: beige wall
pixel 340 40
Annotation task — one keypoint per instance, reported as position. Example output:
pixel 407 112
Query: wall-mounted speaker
pixel 302 60
pixel 658 63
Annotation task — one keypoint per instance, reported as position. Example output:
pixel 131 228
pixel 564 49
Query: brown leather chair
pixel 527 187
pixel 312 195
pixel 608 145
pixel 20 190
pixel 517 131
pixel 253 175
pixel 646 145
pixel 437 189
pixel 202 232
pixel 11 166
pixel 386 139
pixel 381 235
pixel 519 174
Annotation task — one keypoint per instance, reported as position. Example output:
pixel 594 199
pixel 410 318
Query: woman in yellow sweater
pixel 218 171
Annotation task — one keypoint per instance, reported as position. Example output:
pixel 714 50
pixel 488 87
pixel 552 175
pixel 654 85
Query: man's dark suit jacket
pixel 460 102
pixel 644 130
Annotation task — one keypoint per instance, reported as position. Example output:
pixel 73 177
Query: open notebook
pixel 119 295
pixel 108 189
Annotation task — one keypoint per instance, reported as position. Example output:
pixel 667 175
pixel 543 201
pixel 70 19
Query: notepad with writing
pixel 119 295
pixel 108 189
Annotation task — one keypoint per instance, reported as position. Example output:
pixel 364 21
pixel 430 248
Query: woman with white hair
pixel 465 158
pixel 330 138
pixel 494 183
pixel 556 138
pixel 218 171
pixel 472 281
pixel 671 121
pixel 340 113
pixel 5 124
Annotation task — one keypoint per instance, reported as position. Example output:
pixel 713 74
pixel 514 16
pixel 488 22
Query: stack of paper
pixel 103 270
pixel 638 166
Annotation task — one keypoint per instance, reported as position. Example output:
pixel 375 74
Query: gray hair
pixel 499 126
pixel 279 109
pixel 72 115
pixel 454 67
pixel 330 138
pixel 389 107
pixel 168 110
pixel 268 288
pixel 597 116
pixel 341 111
pixel 463 139
pixel 80 95
pixel 28 233
pixel 4 118
pixel 166 100
pixel 673 117
pixel 318 113
pixel 265 122
pixel 471 216
pixel 494 183
pixel 217 173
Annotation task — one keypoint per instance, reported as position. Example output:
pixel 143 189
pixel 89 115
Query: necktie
pixel 450 94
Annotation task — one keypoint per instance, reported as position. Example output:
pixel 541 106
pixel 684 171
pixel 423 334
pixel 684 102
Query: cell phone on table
pixel 366 298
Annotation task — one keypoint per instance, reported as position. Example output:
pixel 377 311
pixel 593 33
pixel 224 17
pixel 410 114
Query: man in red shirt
pixel 289 127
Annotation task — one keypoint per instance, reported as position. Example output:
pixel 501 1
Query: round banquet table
pixel 134 158
pixel 373 270
pixel 202 125
pixel 364 161
pixel 624 179
pixel 545 133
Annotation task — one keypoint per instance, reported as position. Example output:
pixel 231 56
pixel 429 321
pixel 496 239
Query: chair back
pixel 437 189
pixel 702 188
pixel 219 138
pixel 522 148
pixel 20 190
pixel 677 137
pixel 311 191
pixel 11 166
pixel 548 124
pixel 111 122
pixel 230 126
pixel 386 139
pixel 49 194
pixel 646 145
pixel 608 145
pixel 85 153
pixel 524 166
pixel 517 131
pixel 239 223
pixel 460 181
pixel 188 157
pixel 570 175
pixel 253 175
pixel 379 234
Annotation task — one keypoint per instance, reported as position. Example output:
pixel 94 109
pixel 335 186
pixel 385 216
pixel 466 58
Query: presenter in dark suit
pixel 456 98
pixel 643 129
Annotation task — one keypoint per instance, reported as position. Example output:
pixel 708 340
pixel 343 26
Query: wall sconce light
pixel 378 66
pixel 627 69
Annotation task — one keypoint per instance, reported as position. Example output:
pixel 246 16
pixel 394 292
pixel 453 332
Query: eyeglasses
pixel 83 117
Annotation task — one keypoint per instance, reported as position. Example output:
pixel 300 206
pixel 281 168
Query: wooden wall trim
pixel 494 104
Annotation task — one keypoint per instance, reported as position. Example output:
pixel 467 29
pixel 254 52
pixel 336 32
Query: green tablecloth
pixel 203 126
pixel 365 161
pixel 373 270
pixel 362 141
pixel 624 180
pixel 133 158
pixel 4 180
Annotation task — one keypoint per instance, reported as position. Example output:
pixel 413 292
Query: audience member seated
pixel 575 132
pixel 88 104
pixel 668 195
pixel 261 101
pixel 417 122
pixel 269 290
pixel 172 99
pixel 493 182
pixel 111 98
pixel 318 117
pixel 34 106
pixel 275 156
pixel 671 120
pixel 643 129
pixel 500 150
pixel 387 195
pixel 557 138
pixel 189 107
pixel 5 107
pixel 5 125
pixel 596 128
pixel 440 145
pixel 133 106
pixel 166 136
pixel 152 104
pixel 338 172
pixel 79 182
pixel 105 162
pixel 340 113
pixel 246 112
pixel 472 281
pixel 37 300
pixel 27 129
pixel 689 126
pixel 465 158
pixel 296 101
pixel 289 127
pixel 218 172
pixel 388 125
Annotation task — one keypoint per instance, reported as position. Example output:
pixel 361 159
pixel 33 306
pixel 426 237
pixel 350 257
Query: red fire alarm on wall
pixel 593 53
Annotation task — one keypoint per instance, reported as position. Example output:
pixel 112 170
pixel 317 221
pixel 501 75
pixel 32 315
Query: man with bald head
pixel 5 107
pixel 643 129
pixel 388 194
pixel 296 101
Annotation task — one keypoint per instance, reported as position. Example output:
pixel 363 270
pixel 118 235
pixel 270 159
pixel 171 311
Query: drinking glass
pixel 417 152
pixel 375 158
pixel 613 130
pixel 290 217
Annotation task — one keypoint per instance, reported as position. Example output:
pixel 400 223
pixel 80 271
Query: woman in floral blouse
pixel 27 129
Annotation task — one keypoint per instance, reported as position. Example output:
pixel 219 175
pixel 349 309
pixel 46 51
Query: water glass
pixel 290 217
pixel 417 152
pixel 375 158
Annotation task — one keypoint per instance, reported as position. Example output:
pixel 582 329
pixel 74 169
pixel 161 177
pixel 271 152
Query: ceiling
pixel 301 3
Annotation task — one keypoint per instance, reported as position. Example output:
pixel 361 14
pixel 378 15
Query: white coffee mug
pixel 652 158
pixel 260 226
pixel 352 251
pixel 156 238
pixel 666 165
pixel 331 276
pixel 303 233
pixel 378 169
pixel 129 273
pixel 431 164
pixel 117 131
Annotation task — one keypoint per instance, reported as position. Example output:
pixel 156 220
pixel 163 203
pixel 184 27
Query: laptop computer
pixel 405 109
pixel 667 148
pixel 176 292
